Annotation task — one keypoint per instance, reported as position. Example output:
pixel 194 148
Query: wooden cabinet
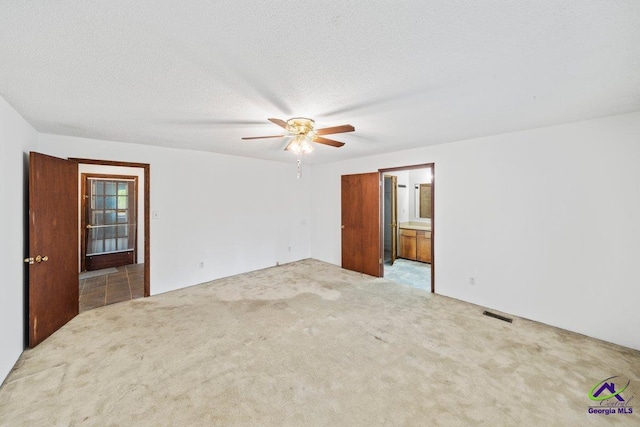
pixel 407 244
pixel 423 246
pixel 415 245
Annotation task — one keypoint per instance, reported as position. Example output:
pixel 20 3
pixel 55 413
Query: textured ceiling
pixel 202 74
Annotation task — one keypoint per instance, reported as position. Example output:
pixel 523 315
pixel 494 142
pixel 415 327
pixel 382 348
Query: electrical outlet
pixel 472 281
pixel 201 264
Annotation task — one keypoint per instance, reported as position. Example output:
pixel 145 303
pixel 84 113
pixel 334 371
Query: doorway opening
pixel 114 232
pixel 407 225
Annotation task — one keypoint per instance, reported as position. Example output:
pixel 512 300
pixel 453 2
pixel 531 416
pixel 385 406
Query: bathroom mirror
pixel 422 197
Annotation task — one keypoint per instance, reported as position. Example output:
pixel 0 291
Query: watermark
pixel 611 396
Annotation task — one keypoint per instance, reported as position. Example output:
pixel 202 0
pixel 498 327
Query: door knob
pixel 38 258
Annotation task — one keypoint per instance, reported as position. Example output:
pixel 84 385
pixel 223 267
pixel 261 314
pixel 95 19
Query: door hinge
pixel 380 261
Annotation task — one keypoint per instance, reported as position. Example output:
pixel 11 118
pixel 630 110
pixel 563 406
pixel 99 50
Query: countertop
pixel 415 226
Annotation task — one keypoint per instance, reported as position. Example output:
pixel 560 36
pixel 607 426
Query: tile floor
pixel 125 284
pixel 407 272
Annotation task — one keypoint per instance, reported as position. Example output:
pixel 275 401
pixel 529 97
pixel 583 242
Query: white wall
pixel 233 213
pixel 404 195
pixel 546 220
pixel 17 138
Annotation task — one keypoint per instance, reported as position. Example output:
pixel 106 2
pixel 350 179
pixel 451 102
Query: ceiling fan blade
pixel 263 137
pixel 210 122
pixel 326 141
pixel 335 129
pixel 279 122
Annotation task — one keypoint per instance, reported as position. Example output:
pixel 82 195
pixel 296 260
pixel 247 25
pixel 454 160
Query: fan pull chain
pixel 299 167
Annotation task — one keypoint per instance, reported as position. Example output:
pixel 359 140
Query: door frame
pixel 432 166
pixel 147 205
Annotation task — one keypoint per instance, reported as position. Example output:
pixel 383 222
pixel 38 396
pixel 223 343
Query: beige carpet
pixel 310 344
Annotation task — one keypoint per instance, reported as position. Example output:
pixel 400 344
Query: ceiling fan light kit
pixel 300 145
pixel 302 129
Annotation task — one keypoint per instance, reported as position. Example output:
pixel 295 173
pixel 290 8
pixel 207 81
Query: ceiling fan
pixel 302 129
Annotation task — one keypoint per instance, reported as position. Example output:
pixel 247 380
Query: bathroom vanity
pixel 415 241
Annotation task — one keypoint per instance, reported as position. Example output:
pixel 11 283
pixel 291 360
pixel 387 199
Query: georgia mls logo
pixel 608 394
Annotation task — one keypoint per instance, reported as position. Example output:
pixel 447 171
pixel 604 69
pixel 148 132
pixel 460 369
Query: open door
pixel 389 217
pixel 53 245
pixel 394 218
pixel 361 237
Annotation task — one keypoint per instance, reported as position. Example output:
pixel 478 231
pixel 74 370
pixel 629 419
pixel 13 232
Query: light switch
pixel 155 215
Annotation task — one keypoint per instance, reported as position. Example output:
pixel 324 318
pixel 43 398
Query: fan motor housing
pixel 300 125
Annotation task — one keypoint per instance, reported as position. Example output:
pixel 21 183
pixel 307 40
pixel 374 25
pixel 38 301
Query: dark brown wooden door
pixel 53 245
pixel 361 248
